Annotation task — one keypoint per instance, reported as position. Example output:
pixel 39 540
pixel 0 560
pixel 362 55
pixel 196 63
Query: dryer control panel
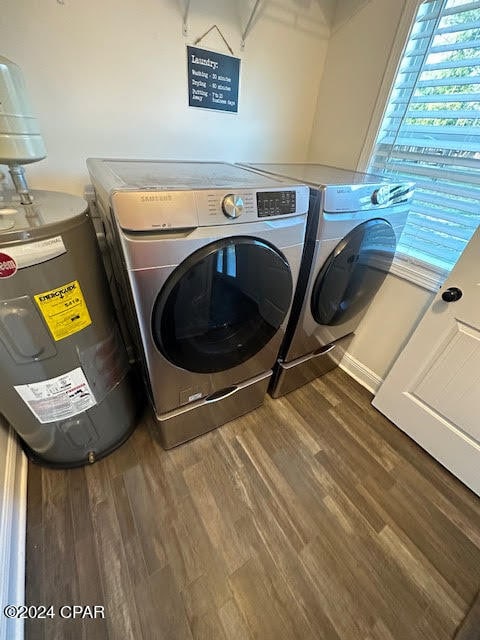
pixel 364 197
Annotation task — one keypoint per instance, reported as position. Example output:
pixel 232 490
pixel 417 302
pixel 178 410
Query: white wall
pixel 108 78
pixel 345 10
pixel 388 324
pixel 357 56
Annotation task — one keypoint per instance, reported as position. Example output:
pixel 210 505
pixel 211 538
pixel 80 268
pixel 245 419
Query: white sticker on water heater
pixel 31 253
pixel 58 398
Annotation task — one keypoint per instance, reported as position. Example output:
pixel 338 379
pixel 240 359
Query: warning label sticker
pixel 64 310
pixel 58 398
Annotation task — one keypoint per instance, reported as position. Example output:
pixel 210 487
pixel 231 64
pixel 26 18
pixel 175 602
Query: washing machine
pixel 354 224
pixel 207 257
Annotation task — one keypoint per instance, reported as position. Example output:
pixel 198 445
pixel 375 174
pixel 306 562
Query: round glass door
pixel 353 272
pixel 222 304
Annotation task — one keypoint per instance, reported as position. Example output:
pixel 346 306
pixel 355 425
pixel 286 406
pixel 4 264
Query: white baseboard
pixel 13 514
pixel 362 374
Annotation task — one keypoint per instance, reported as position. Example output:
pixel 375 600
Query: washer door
pixel 222 304
pixel 353 273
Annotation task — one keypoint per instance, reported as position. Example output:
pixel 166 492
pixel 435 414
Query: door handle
pixel 323 350
pixel 220 395
pixel 452 294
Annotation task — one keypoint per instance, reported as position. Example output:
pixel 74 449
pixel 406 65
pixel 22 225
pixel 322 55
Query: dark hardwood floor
pixel 310 518
pixel 470 627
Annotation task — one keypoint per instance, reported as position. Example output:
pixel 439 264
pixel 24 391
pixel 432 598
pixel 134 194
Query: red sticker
pixel 8 266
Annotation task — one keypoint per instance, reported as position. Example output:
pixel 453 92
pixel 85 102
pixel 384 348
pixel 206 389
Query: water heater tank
pixel 20 138
pixel 65 383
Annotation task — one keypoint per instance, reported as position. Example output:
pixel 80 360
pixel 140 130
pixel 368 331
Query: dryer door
pixel 353 273
pixel 222 304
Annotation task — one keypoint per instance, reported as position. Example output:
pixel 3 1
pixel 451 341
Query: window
pixel 430 133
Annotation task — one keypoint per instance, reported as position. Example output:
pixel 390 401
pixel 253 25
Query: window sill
pixel 420 273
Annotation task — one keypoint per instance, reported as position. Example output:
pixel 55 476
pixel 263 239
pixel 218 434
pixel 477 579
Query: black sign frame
pixel 213 80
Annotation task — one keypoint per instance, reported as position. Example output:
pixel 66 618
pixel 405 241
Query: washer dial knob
pixel 381 195
pixel 232 205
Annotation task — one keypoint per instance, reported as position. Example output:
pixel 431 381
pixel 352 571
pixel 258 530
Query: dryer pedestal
pixel 197 418
pixel 289 376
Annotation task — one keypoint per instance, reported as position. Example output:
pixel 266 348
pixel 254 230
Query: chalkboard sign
pixel 212 80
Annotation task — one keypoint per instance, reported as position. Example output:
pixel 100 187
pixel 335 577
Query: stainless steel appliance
pixel 354 223
pixel 207 256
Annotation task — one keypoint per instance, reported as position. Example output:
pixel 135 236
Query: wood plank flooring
pixel 470 627
pixel 310 518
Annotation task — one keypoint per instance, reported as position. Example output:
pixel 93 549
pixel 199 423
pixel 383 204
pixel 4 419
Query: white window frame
pixel 427 276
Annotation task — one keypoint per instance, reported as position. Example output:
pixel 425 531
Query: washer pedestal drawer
pixel 196 418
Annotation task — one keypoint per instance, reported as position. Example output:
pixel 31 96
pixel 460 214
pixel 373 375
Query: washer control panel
pixel 250 205
pixel 162 196
pixel 232 205
pixel 276 203
pixel 161 210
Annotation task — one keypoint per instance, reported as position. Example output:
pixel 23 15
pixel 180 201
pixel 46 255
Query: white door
pixel 433 390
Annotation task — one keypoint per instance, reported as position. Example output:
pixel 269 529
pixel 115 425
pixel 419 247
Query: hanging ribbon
pixel 221 35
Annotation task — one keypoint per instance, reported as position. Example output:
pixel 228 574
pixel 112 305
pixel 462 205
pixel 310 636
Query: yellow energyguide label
pixel 64 310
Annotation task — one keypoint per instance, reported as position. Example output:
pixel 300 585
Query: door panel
pixel 353 273
pixel 433 390
pixel 443 389
pixel 222 305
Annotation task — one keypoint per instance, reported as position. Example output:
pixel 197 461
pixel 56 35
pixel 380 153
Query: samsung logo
pixel 156 197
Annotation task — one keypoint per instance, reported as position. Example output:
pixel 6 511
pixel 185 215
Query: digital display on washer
pixel 276 203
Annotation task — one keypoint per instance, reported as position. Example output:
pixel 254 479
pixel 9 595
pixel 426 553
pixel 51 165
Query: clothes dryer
pixel 208 256
pixel 354 224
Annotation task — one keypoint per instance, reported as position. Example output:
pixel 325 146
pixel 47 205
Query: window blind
pixel 430 132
